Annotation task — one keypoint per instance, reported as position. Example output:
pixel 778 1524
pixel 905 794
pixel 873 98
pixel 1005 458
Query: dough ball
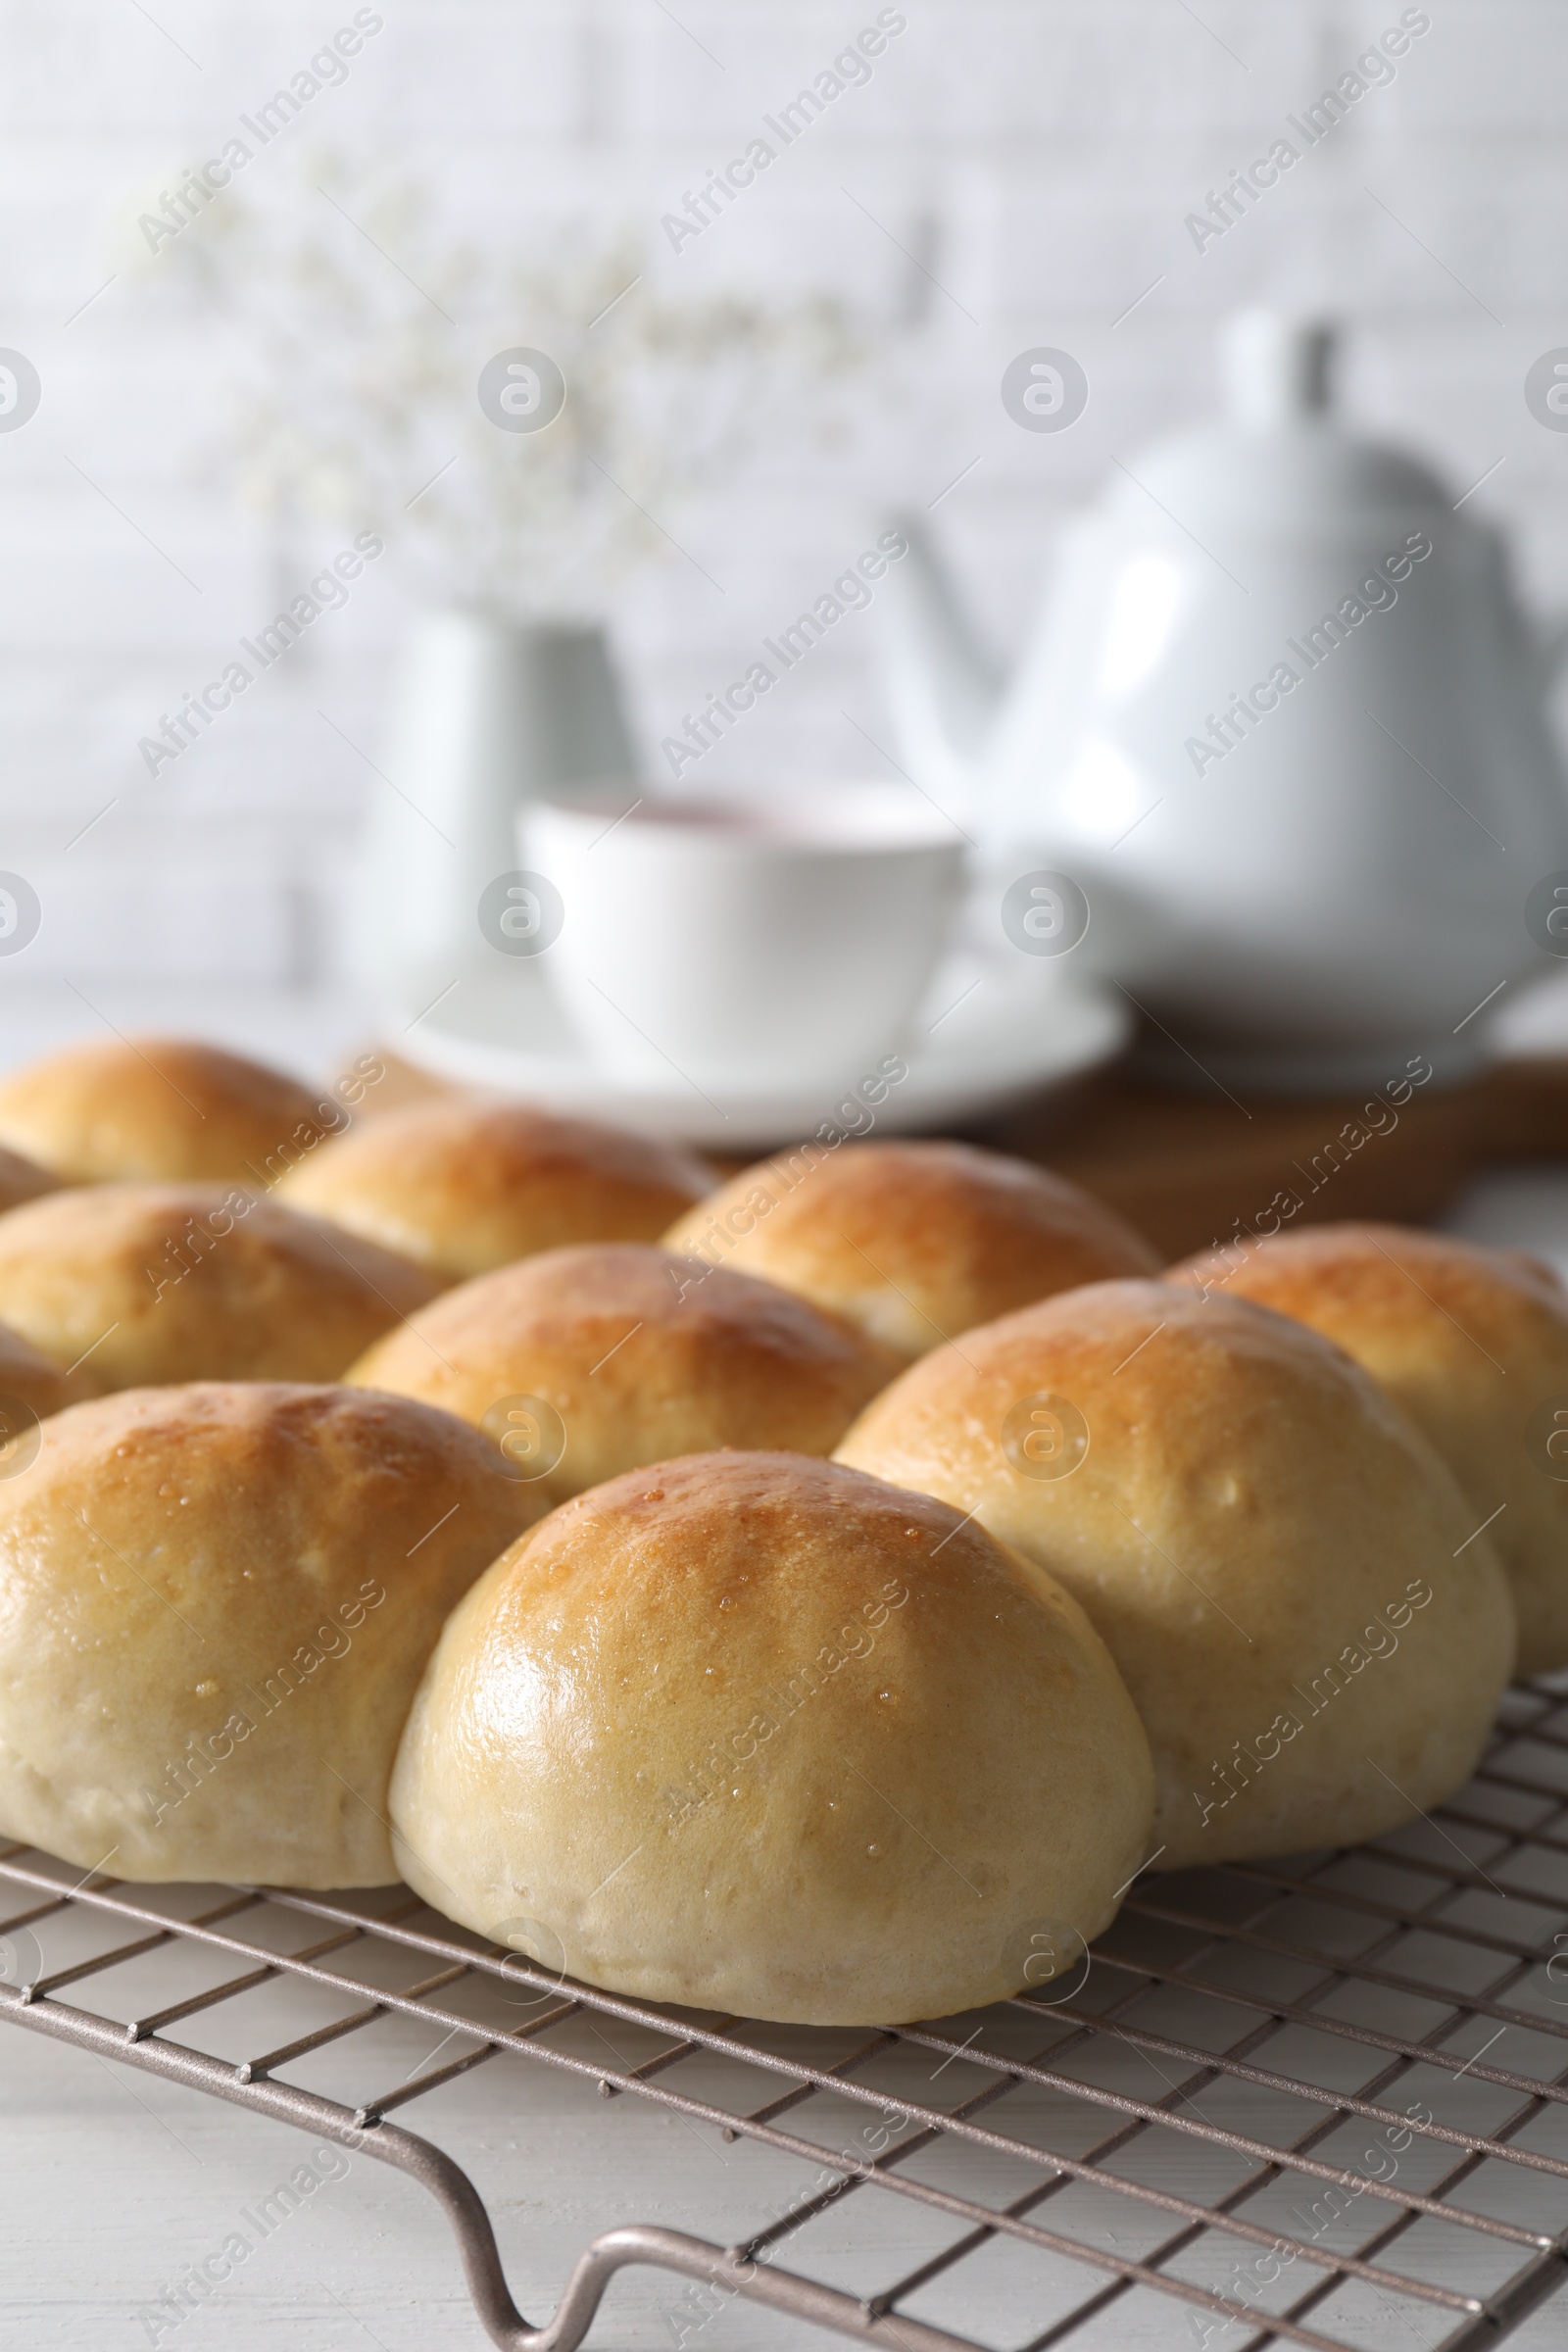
pixel 752 1733
pixel 465 1185
pixel 156 1107
pixel 1278 1562
pixel 144 1284
pixel 215 1603
pixel 1473 1343
pixel 581 1363
pixel 913 1241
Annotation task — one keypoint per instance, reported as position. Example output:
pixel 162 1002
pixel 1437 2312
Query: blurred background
pixel 252 396
pixel 226 397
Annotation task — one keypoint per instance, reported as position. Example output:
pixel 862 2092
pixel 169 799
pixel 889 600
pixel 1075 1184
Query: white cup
pixel 742 943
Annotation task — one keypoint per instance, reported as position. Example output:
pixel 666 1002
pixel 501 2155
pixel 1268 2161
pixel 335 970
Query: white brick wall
pixel 1039 156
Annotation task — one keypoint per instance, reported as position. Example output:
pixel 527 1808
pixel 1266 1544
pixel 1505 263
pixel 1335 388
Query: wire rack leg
pixel 726 2270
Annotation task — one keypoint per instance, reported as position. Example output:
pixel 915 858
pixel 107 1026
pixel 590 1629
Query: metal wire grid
pixel 1386 1963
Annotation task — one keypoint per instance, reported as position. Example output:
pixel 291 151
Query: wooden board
pixel 1190 1168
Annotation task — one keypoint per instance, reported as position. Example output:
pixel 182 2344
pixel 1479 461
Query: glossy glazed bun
pixel 467 1185
pixel 633 1355
pixel 750 1733
pixel 215 1603
pixel 156 1106
pixel 1473 1343
pixel 1275 1557
pixel 913 1241
pixel 150 1282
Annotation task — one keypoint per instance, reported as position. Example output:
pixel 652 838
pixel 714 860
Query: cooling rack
pixel 1319 2102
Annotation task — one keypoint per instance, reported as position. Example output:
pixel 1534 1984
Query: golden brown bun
pixel 31 1388
pixel 215 1603
pixel 464 1186
pixel 1473 1343
pixel 156 1106
pixel 637 1354
pixel 913 1241
pixel 750 1733
pixel 151 1283
pixel 23 1180
pixel 1250 1521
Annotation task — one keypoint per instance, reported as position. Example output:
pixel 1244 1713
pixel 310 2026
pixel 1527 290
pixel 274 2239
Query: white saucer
pixel 986 1036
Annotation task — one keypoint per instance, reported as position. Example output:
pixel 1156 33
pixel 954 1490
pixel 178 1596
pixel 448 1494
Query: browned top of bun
pixel 152 1107
pixel 22 1180
pixel 216 1602
pixel 916 1242
pixel 750 1732
pixel 641 1355
pixel 467 1185
pixel 1473 1343
pixel 1230 1496
pixel 151 1283
pixel 1369 1273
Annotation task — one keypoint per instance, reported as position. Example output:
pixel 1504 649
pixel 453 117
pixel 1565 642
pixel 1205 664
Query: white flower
pixel 357 394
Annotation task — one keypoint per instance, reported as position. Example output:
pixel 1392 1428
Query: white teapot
pixel 1281 720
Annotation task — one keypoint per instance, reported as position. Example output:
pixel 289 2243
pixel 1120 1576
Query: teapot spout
pixel 944 687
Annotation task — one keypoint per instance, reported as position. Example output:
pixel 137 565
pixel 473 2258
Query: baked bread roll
pixel 158 1107
pixel 23 1180
pixel 750 1733
pixel 467 1185
pixel 215 1603
pixel 1286 1574
pixel 581 1363
pixel 913 1241
pixel 1473 1343
pixel 149 1283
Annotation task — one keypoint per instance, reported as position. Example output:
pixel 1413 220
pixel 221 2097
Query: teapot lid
pixel 1276 454
pixel 1275 369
